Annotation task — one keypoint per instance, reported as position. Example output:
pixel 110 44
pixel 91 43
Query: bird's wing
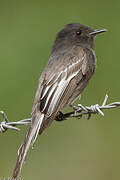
pixel 57 83
pixel 59 77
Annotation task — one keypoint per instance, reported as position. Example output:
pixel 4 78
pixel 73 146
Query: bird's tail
pixel 29 140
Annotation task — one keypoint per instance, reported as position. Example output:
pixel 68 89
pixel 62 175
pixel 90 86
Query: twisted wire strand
pixel 78 112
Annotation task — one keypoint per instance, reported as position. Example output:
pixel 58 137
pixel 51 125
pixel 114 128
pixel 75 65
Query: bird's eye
pixel 78 32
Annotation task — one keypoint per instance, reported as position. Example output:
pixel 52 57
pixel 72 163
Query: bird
pixel 70 67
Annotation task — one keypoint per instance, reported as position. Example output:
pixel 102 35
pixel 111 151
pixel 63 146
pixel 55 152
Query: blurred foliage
pixel 74 149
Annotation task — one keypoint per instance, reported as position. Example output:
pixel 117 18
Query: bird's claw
pixel 60 116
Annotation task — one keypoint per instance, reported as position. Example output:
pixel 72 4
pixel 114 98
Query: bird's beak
pixel 97 31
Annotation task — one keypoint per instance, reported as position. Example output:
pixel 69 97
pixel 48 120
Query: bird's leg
pixel 60 116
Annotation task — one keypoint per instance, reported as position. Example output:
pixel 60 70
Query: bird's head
pixel 76 34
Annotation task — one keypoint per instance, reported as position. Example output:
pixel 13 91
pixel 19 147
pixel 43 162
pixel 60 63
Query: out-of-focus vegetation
pixel 74 149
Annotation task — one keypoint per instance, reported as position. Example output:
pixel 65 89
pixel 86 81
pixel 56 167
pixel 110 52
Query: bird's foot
pixel 60 116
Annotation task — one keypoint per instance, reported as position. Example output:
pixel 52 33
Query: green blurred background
pixel 74 149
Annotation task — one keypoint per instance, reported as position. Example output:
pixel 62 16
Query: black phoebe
pixel 70 67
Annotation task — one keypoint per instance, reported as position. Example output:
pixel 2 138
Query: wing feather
pixel 59 92
pixel 55 87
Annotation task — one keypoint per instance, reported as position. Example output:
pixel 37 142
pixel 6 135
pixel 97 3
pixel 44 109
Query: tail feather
pixel 37 130
pixel 29 140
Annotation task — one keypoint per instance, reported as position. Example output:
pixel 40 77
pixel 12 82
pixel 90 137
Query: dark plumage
pixel 70 67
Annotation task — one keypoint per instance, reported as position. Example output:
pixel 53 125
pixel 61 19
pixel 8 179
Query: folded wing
pixel 56 88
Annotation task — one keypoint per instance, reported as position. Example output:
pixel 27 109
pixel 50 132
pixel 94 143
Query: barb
pixel 78 112
pixel 11 125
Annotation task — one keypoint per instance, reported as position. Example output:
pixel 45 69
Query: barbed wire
pixel 78 112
